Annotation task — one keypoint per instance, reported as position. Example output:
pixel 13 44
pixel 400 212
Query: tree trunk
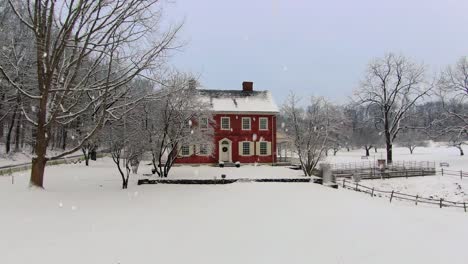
pixel 40 147
pixel 64 138
pixel 18 133
pixel 461 151
pixel 375 149
pixel 389 152
pixel 37 172
pixel 86 155
pixel 367 152
pixel 10 130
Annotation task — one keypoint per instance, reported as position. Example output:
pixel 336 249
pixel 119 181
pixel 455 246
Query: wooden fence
pixel 416 199
pixel 460 173
pixel 371 170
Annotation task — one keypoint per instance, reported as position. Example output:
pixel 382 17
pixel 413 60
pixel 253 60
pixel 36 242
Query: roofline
pixel 246 112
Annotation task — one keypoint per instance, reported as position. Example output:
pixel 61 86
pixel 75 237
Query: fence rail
pixel 356 186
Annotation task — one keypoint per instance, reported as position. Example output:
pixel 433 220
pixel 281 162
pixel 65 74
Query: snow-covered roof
pixel 239 101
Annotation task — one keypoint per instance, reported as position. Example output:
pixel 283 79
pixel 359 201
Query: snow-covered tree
pixel 86 53
pixel 393 84
pixel 308 128
pixel 175 121
pixel 453 93
pixel 412 138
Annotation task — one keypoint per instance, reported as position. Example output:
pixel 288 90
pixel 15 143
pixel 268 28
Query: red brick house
pixel 244 127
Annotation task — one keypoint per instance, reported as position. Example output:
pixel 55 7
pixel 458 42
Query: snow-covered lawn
pixel 83 217
pixel 450 188
pixel 436 153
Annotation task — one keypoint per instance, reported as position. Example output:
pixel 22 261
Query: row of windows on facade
pixel 246 147
pixel 246 123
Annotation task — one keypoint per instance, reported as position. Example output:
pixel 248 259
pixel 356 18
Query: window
pixel 225 123
pixel 203 149
pixel 185 150
pixel 245 148
pixel 203 123
pixel 263 148
pixel 263 123
pixel 246 123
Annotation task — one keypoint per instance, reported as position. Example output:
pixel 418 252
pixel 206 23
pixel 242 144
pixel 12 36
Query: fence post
pixel 391 196
pixel 357 186
pixel 461 175
pixel 372 194
pixel 442 171
pixel 344 180
pixel 417 199
pixel 440 202
pixel 406 173
pixel 464 206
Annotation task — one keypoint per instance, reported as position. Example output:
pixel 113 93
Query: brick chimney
pixel 247 86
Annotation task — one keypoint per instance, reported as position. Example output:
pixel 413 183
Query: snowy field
pixel 447 187
pixel 83 217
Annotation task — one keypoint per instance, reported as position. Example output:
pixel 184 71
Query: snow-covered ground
pixel 23 156
pixel 83 217
pixel 450 188
pixel 436 153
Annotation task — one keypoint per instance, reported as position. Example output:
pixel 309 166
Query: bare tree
pixel 393 85
pixel 86 54
pixel 412 138
pixel 453 93
pixel 309 129
pixel 173 122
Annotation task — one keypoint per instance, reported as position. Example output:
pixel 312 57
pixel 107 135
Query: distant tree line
pixel 395 103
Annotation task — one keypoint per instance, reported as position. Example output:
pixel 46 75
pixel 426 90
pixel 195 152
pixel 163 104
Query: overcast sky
pixel 312 47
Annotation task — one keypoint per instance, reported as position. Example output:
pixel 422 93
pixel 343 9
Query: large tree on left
pixel 87 52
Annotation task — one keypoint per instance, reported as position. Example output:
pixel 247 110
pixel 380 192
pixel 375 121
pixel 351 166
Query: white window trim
pixel 260 122
pixel 182 152
pixel 250 123
pixel 200 122
pixel 207 150
pixel 229 123
pixel 260 148
pixel 242 151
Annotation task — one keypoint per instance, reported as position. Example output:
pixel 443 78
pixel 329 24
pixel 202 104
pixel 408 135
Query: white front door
pixel 225 151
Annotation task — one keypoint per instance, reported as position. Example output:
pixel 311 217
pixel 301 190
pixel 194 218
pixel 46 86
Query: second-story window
pixel 246 123
pixel 225 123
pixel 263 123
pixel 203 123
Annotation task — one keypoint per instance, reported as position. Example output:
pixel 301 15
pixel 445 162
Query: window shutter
pixel 268 148
pixel 252 148
pixel 257 148
pixel 197 149
pixel 240 150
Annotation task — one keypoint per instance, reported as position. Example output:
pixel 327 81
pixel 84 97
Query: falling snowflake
pixel 191 131
pixel 190 122
pixel 60 204
pixel 44 55
pixel 254 137
pixel 282 125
